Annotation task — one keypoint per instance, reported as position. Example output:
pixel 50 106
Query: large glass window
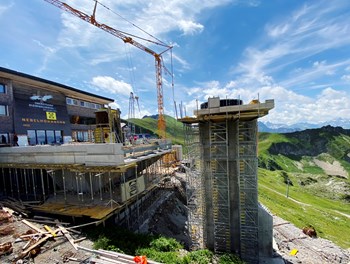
pixel 3 110
pixel 31 137
pixel 41 138
pixel 58 136
pixel 44 137
pixel 50 137
pixel 2 88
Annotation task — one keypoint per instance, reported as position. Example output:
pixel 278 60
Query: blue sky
pixel 296 52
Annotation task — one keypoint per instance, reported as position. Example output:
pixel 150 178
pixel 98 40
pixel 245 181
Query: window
pixel 58 136
pixel 3 110
pixel 41 137
pixel 31 137
pixel 71 101
pixel 50 137
pixel 2 88
pixel 44 137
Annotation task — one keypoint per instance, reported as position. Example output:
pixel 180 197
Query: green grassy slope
pixel 314 198
pixel 174 129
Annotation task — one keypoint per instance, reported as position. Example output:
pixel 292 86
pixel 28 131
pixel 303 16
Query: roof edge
pixel 35 78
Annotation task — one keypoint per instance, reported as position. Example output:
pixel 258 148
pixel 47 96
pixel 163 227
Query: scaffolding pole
pixel 247 132
pixel 194 190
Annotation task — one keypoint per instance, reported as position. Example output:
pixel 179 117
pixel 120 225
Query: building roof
pixel 43 83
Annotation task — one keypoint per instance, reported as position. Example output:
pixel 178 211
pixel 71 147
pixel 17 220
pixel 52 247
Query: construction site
pixel 96 182
pixel 73 159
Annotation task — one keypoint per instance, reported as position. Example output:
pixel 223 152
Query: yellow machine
pixel 108 127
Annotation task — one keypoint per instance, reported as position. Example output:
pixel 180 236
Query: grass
pixel 156 248
pixel 319 212
pixel 174 129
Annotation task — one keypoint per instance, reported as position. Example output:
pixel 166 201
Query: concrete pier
pixel 222 176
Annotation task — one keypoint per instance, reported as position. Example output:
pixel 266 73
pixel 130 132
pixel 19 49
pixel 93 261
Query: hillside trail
pixel 290 198
pixel 305 204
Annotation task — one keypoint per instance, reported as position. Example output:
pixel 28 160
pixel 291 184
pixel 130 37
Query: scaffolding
pixel 248 190
pixel 219 159
pixel 222 189
pixel 194 186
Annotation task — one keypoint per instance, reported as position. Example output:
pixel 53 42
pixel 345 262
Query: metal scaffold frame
pixel 194 190
pixel 220 185
pixel 247 146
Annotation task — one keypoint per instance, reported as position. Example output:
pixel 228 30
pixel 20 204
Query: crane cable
pixel 161 43
pixel 132 76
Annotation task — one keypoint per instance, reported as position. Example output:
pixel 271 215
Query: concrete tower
pixel 224 213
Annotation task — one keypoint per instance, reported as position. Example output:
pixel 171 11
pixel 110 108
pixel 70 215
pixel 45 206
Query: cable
pixel 159 41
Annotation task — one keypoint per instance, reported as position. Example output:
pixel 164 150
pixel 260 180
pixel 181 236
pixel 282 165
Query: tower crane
pixel 127 39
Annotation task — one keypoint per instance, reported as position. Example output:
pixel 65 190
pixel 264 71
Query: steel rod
pixel 42 183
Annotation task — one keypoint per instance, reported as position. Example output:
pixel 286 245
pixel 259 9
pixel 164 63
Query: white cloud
pixel 114 105
pixel 110 85
pixel 307 32
pixel 346 77
pixel 4 8
pixel 291 108
pixel 190 27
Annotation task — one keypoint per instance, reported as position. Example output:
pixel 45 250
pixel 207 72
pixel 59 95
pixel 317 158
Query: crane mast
pixel 127 39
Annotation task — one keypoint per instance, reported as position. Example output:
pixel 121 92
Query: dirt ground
pixel 309 250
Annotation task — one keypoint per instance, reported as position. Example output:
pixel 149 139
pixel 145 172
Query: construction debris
pixel 23 240
pixel 6 248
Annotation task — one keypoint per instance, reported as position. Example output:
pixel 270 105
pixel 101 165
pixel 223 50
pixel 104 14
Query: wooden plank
pixel 40 233
pixel 87 224
pixel 79 239
pixel 68 236
pixel 26 245
pixel 46 237
pixel 48 222
pixel 32 226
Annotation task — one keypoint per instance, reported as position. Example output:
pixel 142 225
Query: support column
pixel 34 187
pixel 25 182
pixel 3 180
pixel 11 187
pixel 233 174
pixel 17 183
pixel 64 186
pixel 91 189
pixel 42 184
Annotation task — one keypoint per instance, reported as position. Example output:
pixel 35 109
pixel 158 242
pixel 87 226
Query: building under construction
pixel 87 181
pixel 221 166
pixel 69 157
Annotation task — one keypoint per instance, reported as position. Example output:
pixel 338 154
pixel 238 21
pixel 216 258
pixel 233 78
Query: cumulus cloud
pixel 312 29
pixel 346 77
pixel 291 108
pixel 190 27
pixel 114 105
pixel 111 85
